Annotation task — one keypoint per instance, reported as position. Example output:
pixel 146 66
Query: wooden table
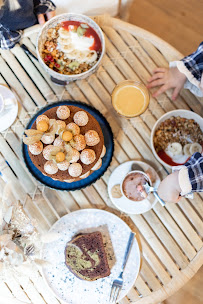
pixel 170 238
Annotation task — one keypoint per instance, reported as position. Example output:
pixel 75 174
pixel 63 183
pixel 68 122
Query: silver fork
pixel 118 283
pixel 30 249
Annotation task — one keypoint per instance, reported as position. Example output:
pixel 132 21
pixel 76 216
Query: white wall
pixel 88 7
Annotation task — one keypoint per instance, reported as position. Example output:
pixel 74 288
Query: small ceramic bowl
pixel 129 173
pixel 182 113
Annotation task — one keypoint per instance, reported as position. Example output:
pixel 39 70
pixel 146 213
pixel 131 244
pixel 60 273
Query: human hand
pixel 167 79
pixel 49 15
pixel 169 189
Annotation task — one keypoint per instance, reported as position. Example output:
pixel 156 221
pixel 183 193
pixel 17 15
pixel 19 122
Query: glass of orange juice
pixel 130 98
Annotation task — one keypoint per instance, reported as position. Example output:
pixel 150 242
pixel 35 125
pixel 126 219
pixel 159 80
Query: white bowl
pixel 42 38
pixel 182 113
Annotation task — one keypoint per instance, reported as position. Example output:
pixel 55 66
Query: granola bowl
pixel 176 136
pixel 70 47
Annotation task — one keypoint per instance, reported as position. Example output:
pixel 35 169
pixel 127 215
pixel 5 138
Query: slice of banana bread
pixel 86 258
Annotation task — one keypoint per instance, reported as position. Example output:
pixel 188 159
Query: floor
pixel 179 22
pixel 185 19
pixel 191 293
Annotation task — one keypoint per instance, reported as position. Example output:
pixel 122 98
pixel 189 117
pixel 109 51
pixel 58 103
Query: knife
pixel 28 51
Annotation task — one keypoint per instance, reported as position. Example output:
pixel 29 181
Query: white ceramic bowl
pixel 182 113
pixel 42 38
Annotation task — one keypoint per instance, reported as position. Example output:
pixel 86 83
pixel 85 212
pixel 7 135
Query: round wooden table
pixel 170 238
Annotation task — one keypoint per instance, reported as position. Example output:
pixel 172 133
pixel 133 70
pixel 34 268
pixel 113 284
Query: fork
pixel 118 283
pixel 30 250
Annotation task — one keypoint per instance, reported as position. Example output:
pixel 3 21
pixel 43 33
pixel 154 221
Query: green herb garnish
pixel 80 31
pixel 74 65
pixel 84 25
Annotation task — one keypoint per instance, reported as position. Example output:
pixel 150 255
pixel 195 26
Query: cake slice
pixel 86 258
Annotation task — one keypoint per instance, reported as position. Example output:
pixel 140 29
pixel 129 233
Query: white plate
pixel 9 114
pixel 125 204
pixel 115 233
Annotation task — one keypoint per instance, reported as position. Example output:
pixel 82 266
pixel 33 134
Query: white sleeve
pixel 184 180
pixel 192 84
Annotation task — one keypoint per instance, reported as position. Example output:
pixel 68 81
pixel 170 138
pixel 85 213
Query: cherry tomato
pixel 57 65
pixel 49 57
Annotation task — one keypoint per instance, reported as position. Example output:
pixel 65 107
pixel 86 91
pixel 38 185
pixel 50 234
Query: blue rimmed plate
pixel 106 160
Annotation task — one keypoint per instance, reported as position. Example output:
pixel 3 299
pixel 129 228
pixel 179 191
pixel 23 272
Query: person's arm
pixel 185 180
pixel 192 65
pixel 187 72
pixel 8 38
pixel 193 172
pixel 44 8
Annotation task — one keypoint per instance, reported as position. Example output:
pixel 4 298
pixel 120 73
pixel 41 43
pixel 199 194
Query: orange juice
pixel 130 98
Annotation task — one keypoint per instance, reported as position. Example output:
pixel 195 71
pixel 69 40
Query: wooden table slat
pixel 142 287
pixel 155 244
pixel 133 295
pixel 167 241
pixel 23 77
pixel 154 262
pixel 148 275
pixel 192 215
pixel 175 231
pixel 30 69
pixel 16 86
pixel 17 291
pixel 185 225
pixel 42 287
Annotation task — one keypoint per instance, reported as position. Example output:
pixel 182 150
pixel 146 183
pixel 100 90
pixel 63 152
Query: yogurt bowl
pixel 189 115
pixel 74 47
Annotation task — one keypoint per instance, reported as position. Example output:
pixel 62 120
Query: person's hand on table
pixel 167 79
pixel 49 15
pixel 169 189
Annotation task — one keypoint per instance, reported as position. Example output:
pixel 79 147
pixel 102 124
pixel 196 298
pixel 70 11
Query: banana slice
pixel 63 33
pixel 91 57
pixel 68 48
pixel 76 55
pixel 186 149
pixel 73 54
pixel 81 57
pixel 195 148
pixel 175 148
pixel 64 41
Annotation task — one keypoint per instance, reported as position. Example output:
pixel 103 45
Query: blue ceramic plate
pixel 106 160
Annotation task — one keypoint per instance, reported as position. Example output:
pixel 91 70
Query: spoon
pixel 148 189
pixel 137 167
pixel 146 186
